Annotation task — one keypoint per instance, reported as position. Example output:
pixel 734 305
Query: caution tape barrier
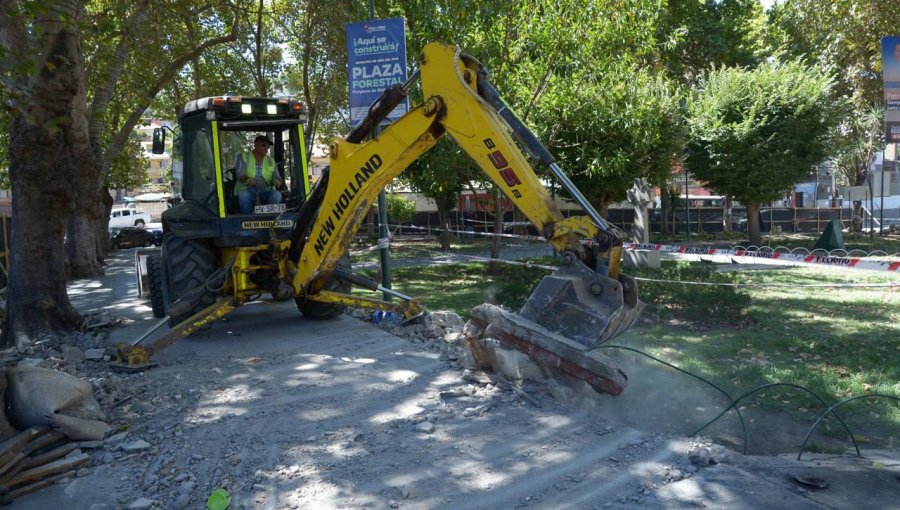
pixel 831 261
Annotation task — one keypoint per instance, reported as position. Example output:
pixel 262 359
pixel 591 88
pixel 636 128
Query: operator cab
pixel 215 131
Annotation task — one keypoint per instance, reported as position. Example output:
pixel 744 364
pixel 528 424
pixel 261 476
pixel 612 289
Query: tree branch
pixel 97 114
pixel 167 75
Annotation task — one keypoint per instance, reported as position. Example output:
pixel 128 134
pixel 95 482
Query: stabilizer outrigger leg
pixel 136 355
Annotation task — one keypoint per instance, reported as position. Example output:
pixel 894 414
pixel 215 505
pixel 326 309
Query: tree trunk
pixel 46 149
pixel 665 205
pixel 856 217
pixel 726 214
pixel 444 219
pixel 86 241
pixel 753 226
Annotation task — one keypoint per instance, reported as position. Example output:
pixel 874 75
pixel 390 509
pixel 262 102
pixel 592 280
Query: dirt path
pixel 287 413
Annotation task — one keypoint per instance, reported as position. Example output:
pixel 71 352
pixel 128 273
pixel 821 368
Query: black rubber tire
pixel 154 275
pixel 316 310
pixel 188 264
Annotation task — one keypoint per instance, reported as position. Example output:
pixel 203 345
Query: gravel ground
pixel 287 414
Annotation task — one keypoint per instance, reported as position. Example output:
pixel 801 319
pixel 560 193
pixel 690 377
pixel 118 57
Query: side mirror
pixel 159 141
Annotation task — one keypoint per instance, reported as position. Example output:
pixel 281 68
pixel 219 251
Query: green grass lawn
pixel 837 342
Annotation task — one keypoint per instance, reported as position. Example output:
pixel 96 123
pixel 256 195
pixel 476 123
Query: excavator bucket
pixel 570 312
pixel 583 305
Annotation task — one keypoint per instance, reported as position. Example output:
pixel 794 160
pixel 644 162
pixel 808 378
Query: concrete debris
pixel 426 427
pixel 72 354
pixel 135 446
pixel 141 504
pixel 496 337
pixel 94 354
pixel 39 396
pixel 699 457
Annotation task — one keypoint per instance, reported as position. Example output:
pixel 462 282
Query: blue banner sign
pixel 376 60
pixel 890 58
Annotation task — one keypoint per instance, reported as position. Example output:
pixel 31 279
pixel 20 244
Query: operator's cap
pixel 263 138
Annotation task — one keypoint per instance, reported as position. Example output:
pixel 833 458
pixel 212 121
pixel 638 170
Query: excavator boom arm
pixel 453 106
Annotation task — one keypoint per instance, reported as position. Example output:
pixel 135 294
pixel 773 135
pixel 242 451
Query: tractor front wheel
pixel 188 264
pixel 154 274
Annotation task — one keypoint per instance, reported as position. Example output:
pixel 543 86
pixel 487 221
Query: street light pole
pixel 687 203
pixel 383 232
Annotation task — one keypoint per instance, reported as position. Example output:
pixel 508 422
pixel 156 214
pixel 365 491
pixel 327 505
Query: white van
pixel 127 217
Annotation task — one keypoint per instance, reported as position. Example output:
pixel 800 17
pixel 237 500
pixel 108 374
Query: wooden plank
pixel 44 458
pixel 48 469
pixel 17 464
pixel 36 486
pixel 13 446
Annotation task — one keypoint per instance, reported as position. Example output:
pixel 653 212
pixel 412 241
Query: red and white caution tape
pixel 847 262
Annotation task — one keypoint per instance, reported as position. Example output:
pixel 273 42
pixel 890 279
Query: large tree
pixel 76 90
pixel 756 133
pixel 844 36
pixel 43 78
pixel 123 80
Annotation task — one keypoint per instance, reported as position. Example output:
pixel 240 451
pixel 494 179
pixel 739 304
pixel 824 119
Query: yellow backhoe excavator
pixel 214 258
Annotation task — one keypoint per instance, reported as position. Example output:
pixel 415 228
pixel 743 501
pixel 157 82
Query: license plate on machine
pixel 269 208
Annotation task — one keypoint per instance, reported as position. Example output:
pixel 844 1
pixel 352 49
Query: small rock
pixel 718 454
pixel 31 362
pixel 94 354
pixel 699 457
pixel 141 504
pixel 676 475
pixel 135 446
pixel 90 445
pixel 426 427
pixel 393 504
pixel 71 354
pixel 82 472
pixel 116 438
pixel 182 501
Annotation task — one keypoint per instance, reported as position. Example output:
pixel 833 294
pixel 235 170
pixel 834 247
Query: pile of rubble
pixel 50 417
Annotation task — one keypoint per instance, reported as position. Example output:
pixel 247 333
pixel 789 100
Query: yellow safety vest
pixel 268 169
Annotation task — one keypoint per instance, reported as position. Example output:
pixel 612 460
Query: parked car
pixel 127 217
pixel 129 237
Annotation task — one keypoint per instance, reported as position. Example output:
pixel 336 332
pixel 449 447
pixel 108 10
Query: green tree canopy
pixel 607 131
pixel 756 133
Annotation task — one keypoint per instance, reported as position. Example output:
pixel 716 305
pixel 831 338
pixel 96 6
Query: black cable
pixel 790 385
pixel 683 371
pixel 842 402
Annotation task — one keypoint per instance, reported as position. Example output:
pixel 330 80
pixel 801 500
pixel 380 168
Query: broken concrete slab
pixel 491 324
